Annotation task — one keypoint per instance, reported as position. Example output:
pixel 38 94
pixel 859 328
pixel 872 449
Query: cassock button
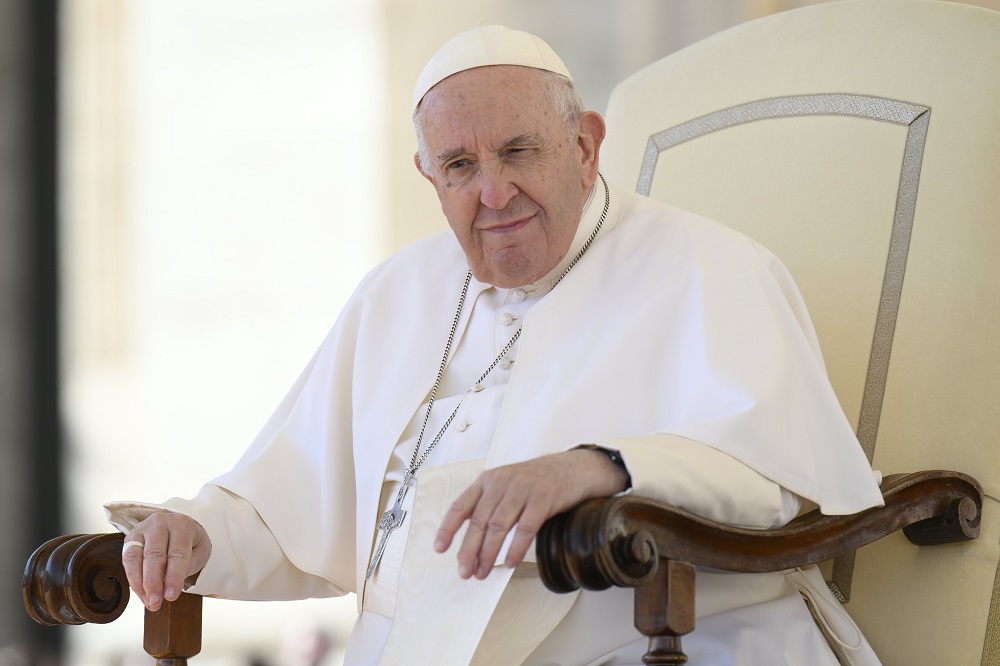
pixel 477 388
pixel 519 295
pixel 506 319
pixel 506 363
pixel 463 426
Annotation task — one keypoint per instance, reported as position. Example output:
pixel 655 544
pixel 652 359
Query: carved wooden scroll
pixel 626 541
pixel 79 578
pixel 636 542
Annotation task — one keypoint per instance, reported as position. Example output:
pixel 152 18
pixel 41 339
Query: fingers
pixel 132 561
pixel 174 546
pixel 524 535
pixel 495 503
pixel 491 520
pixel 472 555
pixel 164 558
pixel 459 511
pixel 522 496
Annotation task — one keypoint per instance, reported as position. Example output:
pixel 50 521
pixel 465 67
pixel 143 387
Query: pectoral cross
pixel 389 521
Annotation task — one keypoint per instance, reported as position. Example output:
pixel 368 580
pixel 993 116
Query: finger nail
pixel 463 570
pixel 169 594
pixel 154 601
pixel 439 545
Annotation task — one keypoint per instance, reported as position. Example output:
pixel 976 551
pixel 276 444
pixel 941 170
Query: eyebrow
pixel 522 140
pixel 514 142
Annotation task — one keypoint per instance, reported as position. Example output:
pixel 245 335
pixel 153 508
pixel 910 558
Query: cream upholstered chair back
pixel 860 141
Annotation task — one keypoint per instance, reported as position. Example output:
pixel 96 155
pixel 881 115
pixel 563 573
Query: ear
pixel 420 168
pixel 589 140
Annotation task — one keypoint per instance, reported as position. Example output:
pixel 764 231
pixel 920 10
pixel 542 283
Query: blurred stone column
pixel 30 475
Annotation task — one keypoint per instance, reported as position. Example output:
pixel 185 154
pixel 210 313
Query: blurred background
pixel 189 191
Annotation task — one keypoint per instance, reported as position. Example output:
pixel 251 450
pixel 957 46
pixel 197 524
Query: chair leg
pixel 173 633
pixel 664 611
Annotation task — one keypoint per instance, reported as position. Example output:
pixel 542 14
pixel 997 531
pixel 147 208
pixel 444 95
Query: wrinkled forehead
pixel 501 96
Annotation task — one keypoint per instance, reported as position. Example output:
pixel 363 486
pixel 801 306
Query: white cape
pixel 671 324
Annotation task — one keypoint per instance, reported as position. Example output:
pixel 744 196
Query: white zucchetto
pixel 487 45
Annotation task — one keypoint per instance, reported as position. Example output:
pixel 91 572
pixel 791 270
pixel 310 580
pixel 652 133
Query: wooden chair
pixel 859 140
pixel 79 578
pixel 626 541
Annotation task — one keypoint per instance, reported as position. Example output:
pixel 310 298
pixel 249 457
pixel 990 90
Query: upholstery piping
pixel 991 644
pixel 917 119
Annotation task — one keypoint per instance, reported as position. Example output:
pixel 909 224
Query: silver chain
pixel 416 463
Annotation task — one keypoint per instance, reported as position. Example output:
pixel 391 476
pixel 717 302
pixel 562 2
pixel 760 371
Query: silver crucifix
pixel 389 521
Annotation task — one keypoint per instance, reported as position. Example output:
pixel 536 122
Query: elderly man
pixel 575 342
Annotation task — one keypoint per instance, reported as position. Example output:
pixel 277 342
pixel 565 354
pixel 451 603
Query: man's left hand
pixel 524 495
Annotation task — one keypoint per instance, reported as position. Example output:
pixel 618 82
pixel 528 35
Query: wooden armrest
pixel 626 541
pixel 617 541
pixel 631 541
pixel 79 578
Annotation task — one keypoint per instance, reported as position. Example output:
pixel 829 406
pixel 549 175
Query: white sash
pixel 432 601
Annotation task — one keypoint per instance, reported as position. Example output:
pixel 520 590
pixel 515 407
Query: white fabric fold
pixel 841 632
pixel 703 480
pixel 429 582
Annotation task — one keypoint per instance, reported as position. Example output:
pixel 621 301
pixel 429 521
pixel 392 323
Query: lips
pixel 509 227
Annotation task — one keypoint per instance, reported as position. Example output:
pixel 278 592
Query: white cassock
pixel 676 341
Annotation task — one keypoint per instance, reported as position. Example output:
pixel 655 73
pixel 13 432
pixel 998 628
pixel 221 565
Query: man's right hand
pixel 174 547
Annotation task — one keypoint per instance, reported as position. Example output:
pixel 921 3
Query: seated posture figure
pixel 566 340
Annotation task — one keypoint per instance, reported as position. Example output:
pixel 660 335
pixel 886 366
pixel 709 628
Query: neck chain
pixel 393 518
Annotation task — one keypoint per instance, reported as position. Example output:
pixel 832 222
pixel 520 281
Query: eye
pixel 456 165
pixel 519 154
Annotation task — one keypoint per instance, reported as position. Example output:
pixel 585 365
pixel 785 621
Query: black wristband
pixel 614 456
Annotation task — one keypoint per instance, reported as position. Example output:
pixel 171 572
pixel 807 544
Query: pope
pixel 564 340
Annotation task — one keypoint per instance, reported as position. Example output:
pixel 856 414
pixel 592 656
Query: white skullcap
pixel 487 45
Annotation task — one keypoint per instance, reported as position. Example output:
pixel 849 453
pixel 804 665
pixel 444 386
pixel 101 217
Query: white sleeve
pixel 246 561
pixel 704 481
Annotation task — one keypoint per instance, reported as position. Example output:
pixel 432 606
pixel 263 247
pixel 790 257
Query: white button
pixel 506 319
pixel 477 388
pixel 462 426
pixel 506 363
pixel 519 295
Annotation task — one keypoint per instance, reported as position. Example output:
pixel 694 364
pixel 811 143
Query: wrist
pixel 615 458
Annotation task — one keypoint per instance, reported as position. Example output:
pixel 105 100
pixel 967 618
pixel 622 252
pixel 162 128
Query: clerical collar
pixel 588 221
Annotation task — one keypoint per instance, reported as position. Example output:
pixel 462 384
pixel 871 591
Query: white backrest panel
pixel 860 141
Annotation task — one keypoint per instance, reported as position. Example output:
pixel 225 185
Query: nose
pixel 496 189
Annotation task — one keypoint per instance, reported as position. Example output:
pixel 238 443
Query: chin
pixel 511 271
pixel 509 277
pixel 507 283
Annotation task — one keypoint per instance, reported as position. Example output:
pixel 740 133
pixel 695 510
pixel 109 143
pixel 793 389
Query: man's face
pixel 510 180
